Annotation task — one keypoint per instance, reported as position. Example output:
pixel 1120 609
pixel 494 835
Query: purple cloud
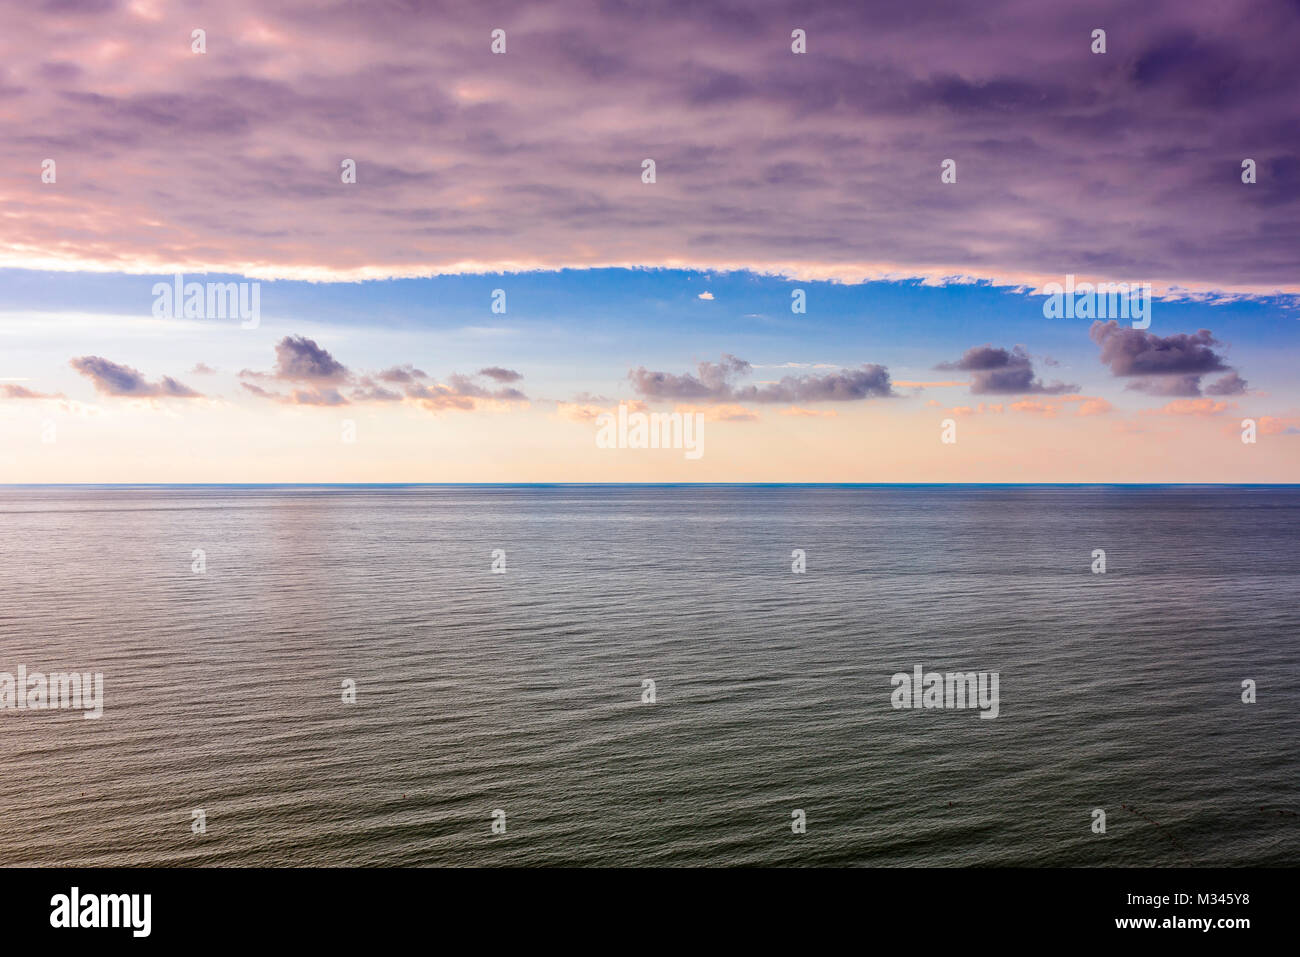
pixel 11 391
pixel 501 375
pixel 370 391
pixel 1163 365
pixel 405 373
pixel 317 397
pixel 820 164
pixel 1230 384
pixel 300 359
pixel 996 371
pixel 111 378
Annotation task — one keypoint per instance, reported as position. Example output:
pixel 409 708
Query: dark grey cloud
pixel 1131 351
pixel 1169 365
pixel 997 371
pixel 111 378
pixel 715 382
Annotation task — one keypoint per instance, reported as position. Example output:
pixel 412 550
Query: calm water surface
pixel 522 691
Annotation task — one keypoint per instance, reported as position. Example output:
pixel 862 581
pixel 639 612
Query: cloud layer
pixel 820 164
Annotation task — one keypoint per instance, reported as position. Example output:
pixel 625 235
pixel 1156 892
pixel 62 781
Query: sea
pixel 648 676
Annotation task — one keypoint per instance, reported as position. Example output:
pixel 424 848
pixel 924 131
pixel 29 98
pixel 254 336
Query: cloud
pixel 370 391
pixel 110 378
pixel 258 391
pixel 1170 385
pixel 460 392
pixel 981 409
pixel 317 397
pixel 578 412
pixel 501 375
pixel 490 162
pixel 1278 425
pixel 589 411
pixel 310 397
pixel 316 377
pixel 11 391
pixel 794 365
pixel 1131 352
pixel 715 382
pixel 848 385
pixel 705 295
pixel 299 359
pixel 1047 409
pixel 712 382
pixel 798 412
pixel 996 371
pixel 1230 384
pixel 1050 407
pixel 405 373
pixel 1170 365
pixel 721 413
pixel 314 374
pixel 202 368
pixel 1094 406
pixel 1197 407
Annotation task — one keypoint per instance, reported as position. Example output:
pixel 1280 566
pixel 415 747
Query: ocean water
pixel 522 691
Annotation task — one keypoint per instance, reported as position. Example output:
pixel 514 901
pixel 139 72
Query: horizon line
pixel 560 484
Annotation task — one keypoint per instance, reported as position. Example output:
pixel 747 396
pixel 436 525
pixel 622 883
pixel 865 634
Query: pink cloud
pixel 990 408
pixel 1050 408
pixel 809 413
pixel 729 412
pixel 1034 407
pixel 1277 425
pixel 1197 407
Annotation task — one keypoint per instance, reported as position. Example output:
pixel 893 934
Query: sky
pixel 840 263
